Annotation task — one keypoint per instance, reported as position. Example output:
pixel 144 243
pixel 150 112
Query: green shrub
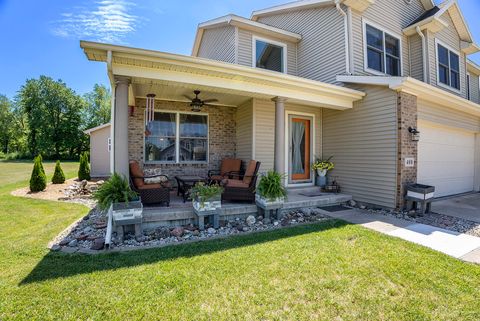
pixel 204 193
pixel 115 189
pixel 270 186
pixel 84 169
pixel 41 163
pixel 38 180
pixel 58 175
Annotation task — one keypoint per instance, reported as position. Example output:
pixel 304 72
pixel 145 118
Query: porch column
pixel 279 149
pixel 120 127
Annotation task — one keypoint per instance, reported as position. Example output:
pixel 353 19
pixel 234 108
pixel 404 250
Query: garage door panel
pixel 446 159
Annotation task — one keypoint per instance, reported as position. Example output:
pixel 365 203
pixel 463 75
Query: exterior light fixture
pixel 414 133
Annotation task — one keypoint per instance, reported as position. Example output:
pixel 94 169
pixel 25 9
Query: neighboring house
pixel 100 150
pixel 350 79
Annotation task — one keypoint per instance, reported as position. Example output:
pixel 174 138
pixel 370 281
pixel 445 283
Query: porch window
pixel 382 51
pixel 269 55
pixel 448 67
pixel 177 138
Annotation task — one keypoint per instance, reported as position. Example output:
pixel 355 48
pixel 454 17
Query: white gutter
pixel 347 43
pixel 350 40
pixel 424 54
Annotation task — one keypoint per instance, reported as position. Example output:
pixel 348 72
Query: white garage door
pixel 446 159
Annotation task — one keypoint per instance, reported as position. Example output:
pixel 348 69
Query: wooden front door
pixel 300 148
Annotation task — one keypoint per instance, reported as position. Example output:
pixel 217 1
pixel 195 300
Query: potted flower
pixel 116 194
pixel 322 167
pixel 206 197
pixel 271 193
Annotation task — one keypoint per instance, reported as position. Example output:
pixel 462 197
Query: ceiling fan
pixel 197 103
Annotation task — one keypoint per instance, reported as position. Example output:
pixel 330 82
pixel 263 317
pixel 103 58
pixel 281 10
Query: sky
pixel 41 37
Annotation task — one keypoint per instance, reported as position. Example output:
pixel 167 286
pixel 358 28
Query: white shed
pixel 100 147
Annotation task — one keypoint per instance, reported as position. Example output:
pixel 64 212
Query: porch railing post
pixel 120 130
pixel 279 149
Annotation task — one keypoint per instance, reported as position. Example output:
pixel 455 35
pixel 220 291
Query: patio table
pixel 186 182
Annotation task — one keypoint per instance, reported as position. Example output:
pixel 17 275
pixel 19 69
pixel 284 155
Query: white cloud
pixel 103 20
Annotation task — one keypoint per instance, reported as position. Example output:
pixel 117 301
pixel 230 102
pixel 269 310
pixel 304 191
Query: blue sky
pixel 41 37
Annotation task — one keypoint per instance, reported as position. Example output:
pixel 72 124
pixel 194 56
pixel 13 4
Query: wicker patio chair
pixel 228 168
pixel 149 193
pixel 242 188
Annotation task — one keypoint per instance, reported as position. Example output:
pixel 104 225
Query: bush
pixel 58 175
pixel 84 169
pixel 115 190
pixel 38 180
pixel 270 186
pixel 204 193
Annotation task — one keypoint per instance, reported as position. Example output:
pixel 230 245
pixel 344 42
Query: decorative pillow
pixel 154 180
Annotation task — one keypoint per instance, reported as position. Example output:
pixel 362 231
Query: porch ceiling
pixel 177 72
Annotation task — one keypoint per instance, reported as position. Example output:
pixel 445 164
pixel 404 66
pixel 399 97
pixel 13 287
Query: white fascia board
pixel 91 130
pixel 295 5
pixel 433 24
pixel 473 67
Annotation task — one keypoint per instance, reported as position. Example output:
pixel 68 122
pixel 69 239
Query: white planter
pixel 130 213
pixel 209 205
pixel 322 172
pixel 266 204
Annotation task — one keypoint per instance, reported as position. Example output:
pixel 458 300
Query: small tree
pixel 84 169
pixel 38 180
pixel 58 175
pixel 40 159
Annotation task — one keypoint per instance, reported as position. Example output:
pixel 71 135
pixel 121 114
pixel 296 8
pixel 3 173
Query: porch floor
pixel 180 213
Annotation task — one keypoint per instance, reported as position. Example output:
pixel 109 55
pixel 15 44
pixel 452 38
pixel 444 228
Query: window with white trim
pixel 174 137
pixel 383 51
pixel 269 56
pixel 448 67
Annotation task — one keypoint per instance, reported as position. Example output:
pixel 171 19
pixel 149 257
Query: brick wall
pixel 222 137
pixel 407 148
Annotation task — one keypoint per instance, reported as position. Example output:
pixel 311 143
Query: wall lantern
pixel 131 110
pixel 415 134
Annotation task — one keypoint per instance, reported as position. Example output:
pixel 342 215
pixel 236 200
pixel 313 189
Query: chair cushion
pixel 136 173
pixel 150 186
pixel 247 179
pixel 230 165
pixel 216 177
pixel 235 183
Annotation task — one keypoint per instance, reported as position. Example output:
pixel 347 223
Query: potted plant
pixel 271 193
pixel 322 167
pixel 206 197
pixel 116 194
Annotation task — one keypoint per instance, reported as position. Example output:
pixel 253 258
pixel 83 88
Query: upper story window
pixel 175 137
pixel 269 55
pixel 448 67
pixel 383 52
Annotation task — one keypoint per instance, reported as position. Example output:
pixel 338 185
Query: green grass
pixel 329 271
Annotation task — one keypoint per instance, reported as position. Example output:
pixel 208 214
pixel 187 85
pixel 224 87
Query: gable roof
pixel 425 15
pixel 244 23
pixel 94 129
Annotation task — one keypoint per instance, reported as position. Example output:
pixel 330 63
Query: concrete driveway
pixel 465 206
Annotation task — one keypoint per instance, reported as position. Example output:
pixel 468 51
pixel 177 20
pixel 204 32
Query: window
pixel 269 55
pixel 177 138
pixel 382 51
pixel 448 67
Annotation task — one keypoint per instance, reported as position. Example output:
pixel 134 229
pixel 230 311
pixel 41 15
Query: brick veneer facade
pixel 222 137
pixel 407 148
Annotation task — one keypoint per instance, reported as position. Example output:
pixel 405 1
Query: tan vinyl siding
pixel 391 15
pixel 437 114
pixel 244 131
pixel 245 50
pixel 218 44
pixel 264 122
pixel 321 52
pixel 474 88
pixel 416 57
pixel 363 142
pixel 448 36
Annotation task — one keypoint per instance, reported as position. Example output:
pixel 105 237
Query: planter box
pixel 127 213
pixel 212 204
pixel 268 205
pixel 420 192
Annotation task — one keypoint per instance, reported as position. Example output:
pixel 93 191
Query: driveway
pixel 465 206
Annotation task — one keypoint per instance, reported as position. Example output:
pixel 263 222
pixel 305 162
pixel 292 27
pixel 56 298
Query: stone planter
pixel 207 208
pixel 267 206
pixel 130 213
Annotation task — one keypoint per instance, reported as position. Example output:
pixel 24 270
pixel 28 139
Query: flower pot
pixel 203 205
pixel 322 172
pixel 127 213
pixel 267 204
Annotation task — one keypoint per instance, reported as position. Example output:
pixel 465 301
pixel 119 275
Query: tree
pixel 58 175
pixel 84 168
pixel 98 104
pixel 53 113
pixel 10 133
pixel 38 180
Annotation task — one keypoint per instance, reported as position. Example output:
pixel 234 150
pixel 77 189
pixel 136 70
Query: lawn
pixel 329 271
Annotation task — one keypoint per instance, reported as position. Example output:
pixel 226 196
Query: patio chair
pixel 228 168
pixel 149 193
pixel 242 188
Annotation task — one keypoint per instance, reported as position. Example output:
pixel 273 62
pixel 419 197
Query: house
pixel 100 150
pixel 352 79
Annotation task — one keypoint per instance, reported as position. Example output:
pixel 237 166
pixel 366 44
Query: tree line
pixel 48 118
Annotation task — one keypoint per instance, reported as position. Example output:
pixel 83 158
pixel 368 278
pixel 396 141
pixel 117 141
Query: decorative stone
pixel 211 230
pixel 178 231
pixel 64 242
pixel 55 247
pixel 163 233
pixel 196 233
pixel 352 203
pixel 73 243
pixel 98 244
pixel 82 237
pixel 250 220
pixel 275 223
pixel 267 221
pixel 245 229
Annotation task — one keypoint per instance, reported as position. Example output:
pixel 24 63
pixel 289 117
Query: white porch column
pixel 279 150
pixel 120 127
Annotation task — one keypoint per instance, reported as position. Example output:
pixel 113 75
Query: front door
pixel 300 147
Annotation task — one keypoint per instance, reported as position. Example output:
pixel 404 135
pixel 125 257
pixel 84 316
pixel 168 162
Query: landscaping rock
pixel 73 243
pixel 55 248
pixel 64 242
pixel 163 233
pixel 352 203
pixel 98 244
pixel 267 221
pixel 178 231
pixel 196 233
pixel 211 230
pixel 250 220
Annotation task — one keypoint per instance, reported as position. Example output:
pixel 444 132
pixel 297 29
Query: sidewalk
pixel 461 246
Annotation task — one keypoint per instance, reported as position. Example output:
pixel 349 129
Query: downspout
pixel 424 54
pixel 350 40
pixel 347 46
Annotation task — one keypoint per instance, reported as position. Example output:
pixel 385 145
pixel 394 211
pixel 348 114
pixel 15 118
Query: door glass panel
pixel 298 148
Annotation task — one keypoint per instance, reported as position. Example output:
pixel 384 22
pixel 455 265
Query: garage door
pixel 446 159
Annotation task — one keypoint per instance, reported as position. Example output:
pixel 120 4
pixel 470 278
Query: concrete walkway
pixel 461 246
pixel 464 206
